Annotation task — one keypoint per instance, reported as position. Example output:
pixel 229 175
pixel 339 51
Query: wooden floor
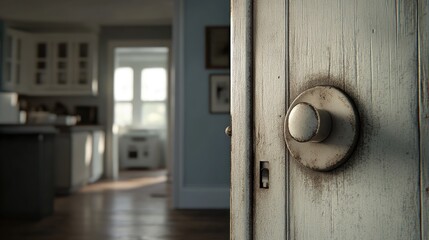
pixel 133 208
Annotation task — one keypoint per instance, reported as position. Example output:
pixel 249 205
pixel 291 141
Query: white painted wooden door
pixel 375 51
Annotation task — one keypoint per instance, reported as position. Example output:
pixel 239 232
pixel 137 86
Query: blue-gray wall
pixel 206 148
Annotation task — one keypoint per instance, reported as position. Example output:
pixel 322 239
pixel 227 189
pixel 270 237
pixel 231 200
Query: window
pixel 153 97
pixel 123 83
pixel 154 84
pixel 153 115
pixel 141 101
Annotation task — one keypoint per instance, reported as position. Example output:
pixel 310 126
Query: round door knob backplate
pixel 321 128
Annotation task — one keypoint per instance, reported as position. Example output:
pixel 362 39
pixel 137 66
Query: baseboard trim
pixel 204 198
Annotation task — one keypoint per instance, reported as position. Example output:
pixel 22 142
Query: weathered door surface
pixel 374 51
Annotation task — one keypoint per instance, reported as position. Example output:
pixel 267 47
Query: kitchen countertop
pixel 27 129
pixel 79 128
pixel 44 129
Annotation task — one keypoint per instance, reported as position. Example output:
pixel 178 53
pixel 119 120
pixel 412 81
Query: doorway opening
pixel 140 108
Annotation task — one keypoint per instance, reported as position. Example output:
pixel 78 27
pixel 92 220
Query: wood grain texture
pixel 367 48
pixel 423 13
pixel 132 208
pixel 241 115
pixel 270 108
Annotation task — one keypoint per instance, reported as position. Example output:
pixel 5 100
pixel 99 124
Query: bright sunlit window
pixel 146 106
pixel 153 96
pixel 154 84
pixel 124 84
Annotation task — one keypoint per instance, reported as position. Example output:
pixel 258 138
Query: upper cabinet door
pixel 8 62
pixel 13 59
pixel 61 64
pixel 43 64
pixel 82 63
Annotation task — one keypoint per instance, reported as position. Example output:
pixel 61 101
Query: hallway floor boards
pixel 133 208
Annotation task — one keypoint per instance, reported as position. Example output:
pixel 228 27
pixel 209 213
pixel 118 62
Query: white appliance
pixel 139 151
pixel 9 109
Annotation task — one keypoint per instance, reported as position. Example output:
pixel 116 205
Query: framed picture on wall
pixel 218 47
pixel 219 93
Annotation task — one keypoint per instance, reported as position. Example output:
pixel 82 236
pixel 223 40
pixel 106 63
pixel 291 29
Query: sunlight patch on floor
pixel 127 184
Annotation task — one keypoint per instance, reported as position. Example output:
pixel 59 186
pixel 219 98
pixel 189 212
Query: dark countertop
pixel 27 129
pixel 45 129
pixel 80 128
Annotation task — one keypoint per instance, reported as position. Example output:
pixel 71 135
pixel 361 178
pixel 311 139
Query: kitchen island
pixel 27 170
pixel 39 161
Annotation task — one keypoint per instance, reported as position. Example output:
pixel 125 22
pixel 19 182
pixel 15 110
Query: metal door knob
pixel 321 128
pixel 307 123
pixel 228 131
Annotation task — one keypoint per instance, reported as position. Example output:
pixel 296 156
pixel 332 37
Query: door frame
pixel 112 160
pixel 241 201
pixel 241 215
pixel 423 98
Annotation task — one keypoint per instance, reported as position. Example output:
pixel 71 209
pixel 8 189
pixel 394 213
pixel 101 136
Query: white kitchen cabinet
pixel 97 163
pixel 49 64
pixel 64 64
pixel 79 157
pixel 72 158
pixel 16 62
